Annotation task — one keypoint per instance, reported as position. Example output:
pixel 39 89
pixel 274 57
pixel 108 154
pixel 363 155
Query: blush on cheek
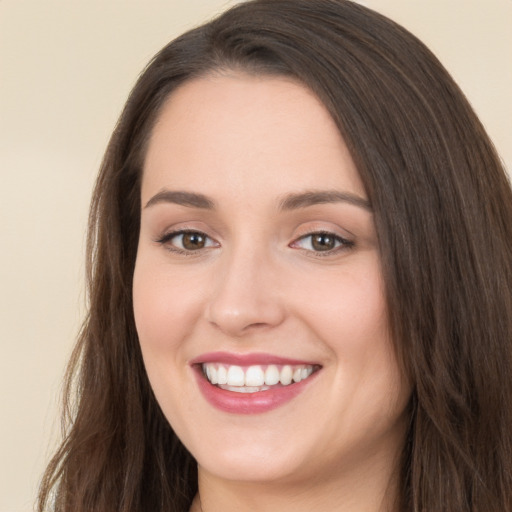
pixel 162 312
pixel 148 317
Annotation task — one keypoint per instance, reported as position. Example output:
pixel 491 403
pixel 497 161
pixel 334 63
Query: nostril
pixel 256 325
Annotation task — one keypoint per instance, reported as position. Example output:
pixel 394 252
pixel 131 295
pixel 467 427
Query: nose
pixel 246 296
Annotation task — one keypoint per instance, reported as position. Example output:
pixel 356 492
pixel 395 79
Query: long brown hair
pixel 443 213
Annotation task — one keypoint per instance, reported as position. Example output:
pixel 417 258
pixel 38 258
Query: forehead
pixel 253 132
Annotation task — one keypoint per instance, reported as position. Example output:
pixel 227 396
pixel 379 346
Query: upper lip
pixel 253 358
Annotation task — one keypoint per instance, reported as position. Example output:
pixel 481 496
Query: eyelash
pixel 167 238
pixel 343 243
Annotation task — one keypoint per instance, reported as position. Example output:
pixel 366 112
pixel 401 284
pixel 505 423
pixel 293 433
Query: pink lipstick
pixel 251 383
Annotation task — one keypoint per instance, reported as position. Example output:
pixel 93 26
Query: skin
pixel 259 285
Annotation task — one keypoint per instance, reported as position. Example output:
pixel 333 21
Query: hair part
pixel 443 213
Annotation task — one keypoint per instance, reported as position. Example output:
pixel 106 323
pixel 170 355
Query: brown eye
pixel 192 241
pixel 187 241
pixel 323 241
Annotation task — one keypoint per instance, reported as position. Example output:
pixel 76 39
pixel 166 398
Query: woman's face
pixel 258 265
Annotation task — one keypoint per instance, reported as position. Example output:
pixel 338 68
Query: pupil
pixel 323 242
pixel 193 241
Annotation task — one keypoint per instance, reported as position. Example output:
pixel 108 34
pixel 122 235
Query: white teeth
pixel 236 376
pixel 222 375
pixel 286 375
pixel 246 389
pixel 271 375
pixel 254 378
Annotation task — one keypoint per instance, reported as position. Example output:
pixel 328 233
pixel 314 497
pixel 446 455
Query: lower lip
pixel 250 403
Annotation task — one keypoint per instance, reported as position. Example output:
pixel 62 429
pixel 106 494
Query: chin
pixel 240 468
pixel 253 461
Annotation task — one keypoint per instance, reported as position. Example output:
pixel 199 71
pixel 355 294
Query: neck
pixel 373 490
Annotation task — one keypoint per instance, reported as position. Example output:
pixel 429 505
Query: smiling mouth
pixel 255 378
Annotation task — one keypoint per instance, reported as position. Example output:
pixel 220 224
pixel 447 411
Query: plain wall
pixel 65 71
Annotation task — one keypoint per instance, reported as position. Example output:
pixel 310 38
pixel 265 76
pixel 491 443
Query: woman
pixel 300 270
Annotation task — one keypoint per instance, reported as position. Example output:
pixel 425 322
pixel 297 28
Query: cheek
pixel 165 306
pixel 163 314
pixel 348 308
pixel 351 318
pixel 153 305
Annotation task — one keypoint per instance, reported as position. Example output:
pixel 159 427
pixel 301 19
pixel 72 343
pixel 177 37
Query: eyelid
pixel 168 236
pixel 343 244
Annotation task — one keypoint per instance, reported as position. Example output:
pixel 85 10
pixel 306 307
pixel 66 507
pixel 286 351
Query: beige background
pixel 65 70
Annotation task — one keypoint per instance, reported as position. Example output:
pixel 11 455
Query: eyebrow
pixel 181 198
pixel 288 202
pixel 314 197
